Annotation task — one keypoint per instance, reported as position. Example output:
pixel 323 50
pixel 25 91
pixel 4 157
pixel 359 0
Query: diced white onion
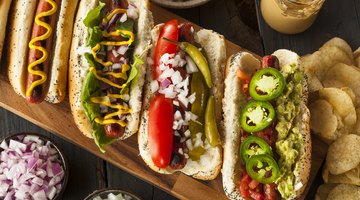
pixel 190 66
pixel 192 98
pixel 187 133
pixel 166 74
pixel 181 151
pixel 176 103
pixel 176 78
pixel 177 115
pixel 184 101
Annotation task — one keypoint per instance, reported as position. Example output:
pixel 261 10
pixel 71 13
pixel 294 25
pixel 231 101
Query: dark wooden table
pixel 237 20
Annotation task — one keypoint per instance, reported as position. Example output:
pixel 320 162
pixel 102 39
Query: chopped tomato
pixel 256 195
pixel 244 186
pixel 245 81
pixel 268 134
pixel 160 131
pixel 269 191
pixel 170 31
pixel 253 184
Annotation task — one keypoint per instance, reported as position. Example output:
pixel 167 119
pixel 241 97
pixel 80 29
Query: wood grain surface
pixel 58 120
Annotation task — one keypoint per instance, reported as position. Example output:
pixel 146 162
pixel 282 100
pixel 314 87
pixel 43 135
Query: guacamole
pixel 289 140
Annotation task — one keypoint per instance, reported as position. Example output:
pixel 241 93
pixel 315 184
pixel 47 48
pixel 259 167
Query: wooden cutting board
pixel 124 154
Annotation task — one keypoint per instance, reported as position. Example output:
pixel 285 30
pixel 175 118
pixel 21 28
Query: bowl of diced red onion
pixel 111 194
pixel 31 167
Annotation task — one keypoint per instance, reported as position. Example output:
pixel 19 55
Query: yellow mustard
pixel 105 100
pixel 40 48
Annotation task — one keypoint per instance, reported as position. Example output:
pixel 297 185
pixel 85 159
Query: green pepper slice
pixel 199 60
pixel 198 86
pixel 211 131
pixel 267 84
pixel 253 145
pixel 263 168
pixel 256 116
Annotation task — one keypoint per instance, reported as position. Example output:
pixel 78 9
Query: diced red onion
pixel 123 18
pixel 115 53
pixel 122 49
pixel 39 195
pixel 113 20
pixel 132 12
pixel 30 169
pixel 165 83
pixel 116 66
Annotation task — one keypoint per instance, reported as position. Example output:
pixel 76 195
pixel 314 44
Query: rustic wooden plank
pixel 336 18
pixel 125 154
pixel 78 172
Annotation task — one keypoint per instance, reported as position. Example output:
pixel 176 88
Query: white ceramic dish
pixel 180 3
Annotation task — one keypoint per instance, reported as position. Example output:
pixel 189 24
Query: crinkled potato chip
pixel 357 57
pixel 342 44
pixel 342 75
pixel 351 93
pixel 341 102
pixel 357 125
pixel 343 154
pixel 315 65
pixel 323 121
pixel 349 177
pixel 323 191
pixel 344 192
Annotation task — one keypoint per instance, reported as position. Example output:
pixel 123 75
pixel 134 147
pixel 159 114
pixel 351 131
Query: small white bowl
pixel 103 194
pixel 180 3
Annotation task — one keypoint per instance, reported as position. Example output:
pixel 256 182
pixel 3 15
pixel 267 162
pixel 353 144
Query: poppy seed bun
pixel 209 167
pixel 79 66
pixel 233 100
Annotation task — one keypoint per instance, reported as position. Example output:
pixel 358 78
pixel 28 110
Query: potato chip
pixel 351 93
pixel 315 65
pixel 323 121
pixel 357 125
pixel 342 104
pixel 343 154
pixel 357 57
pixel 323 191
pixel 344 192
pixel 341 44
pixel 349 177
pixel 342 75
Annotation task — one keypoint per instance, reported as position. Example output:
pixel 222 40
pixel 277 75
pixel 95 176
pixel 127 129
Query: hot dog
pixel 4 10
pixel 38 61
pixel 107 69
pixel 266 125
pixel 180 125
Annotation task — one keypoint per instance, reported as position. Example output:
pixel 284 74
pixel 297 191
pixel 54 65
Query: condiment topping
pixel 30 168
pixel 34 44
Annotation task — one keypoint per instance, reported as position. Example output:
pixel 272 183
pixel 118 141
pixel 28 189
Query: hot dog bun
pixel 21 27
pixel 79 66
pixel 4 11
pixel 209 165
pixel 234 100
